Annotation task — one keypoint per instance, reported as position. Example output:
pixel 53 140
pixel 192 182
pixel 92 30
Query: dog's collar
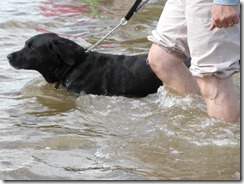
pixel 62 76
pixel 63 73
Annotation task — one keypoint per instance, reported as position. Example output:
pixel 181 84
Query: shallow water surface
pixel 48 134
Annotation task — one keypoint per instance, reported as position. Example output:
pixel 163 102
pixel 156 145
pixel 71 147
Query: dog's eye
pixel 50 46
pixel 30 46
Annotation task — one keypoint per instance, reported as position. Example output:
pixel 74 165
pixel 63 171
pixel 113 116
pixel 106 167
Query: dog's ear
pixel 65 50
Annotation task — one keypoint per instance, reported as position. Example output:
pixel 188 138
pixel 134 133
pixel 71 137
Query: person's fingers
pixel 231 24
pixel 225 24
pixel 236 20
pixel 218 25
pixel 212 26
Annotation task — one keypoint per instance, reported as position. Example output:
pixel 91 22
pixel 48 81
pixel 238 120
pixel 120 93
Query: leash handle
pixel 133 10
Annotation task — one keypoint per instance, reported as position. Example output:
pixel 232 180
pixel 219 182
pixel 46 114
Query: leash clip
pixel 123 21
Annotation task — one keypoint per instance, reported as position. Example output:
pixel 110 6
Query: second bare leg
pixel 172 71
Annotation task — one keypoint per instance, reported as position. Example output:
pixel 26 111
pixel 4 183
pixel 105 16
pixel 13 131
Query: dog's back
pixel 107 74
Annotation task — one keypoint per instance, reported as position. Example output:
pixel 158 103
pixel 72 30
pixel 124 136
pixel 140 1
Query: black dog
pixel 63 61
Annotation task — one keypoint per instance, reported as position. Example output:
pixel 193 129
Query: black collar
pixel 61 74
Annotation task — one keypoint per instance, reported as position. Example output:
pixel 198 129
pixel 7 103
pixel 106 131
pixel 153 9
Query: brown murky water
pixel 48 134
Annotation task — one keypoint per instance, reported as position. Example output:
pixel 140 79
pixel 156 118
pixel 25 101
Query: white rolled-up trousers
pixel 184 30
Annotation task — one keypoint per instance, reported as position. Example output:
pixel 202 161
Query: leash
pixel 137 5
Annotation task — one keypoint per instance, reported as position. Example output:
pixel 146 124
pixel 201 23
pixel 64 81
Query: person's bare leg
pixel 172 71
pixel 221 98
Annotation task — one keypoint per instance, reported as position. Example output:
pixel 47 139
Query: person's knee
pixel 160 60
pixel 154 59
pixel 221 97
pixel 207 86
pixel 211 86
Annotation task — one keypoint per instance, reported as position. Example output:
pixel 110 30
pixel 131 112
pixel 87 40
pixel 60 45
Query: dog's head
pixel 46 53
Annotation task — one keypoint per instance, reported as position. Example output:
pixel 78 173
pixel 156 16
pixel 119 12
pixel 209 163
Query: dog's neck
pixel 64 71
pixel 61 75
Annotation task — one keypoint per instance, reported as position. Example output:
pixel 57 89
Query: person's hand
pixel 224 16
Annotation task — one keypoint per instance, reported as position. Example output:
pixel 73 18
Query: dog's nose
pixel 10 57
